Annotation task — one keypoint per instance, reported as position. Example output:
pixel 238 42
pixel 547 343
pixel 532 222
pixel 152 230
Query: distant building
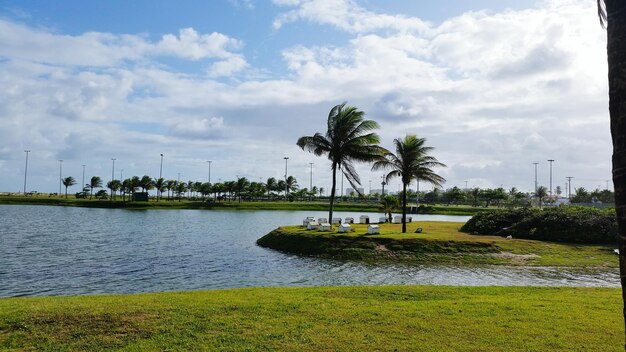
pixel 350 190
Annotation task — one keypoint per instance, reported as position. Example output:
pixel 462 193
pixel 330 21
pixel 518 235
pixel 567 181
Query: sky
pixel 493 86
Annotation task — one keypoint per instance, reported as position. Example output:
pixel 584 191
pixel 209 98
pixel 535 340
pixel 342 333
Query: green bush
pixel 568 224
pixel 493 222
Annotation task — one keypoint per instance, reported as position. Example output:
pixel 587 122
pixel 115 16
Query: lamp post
pixel 83 186
pixel 311 178
pixel 569 186
pixel 286 186
pixel 26 170
pixel 383 184
pixel 535 176
pixel 60 174
pixel 550 161
pixel 209 161
pixel 113 169
pixel 112 177
pixel 161 167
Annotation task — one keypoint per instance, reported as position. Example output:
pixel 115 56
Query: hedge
pixel 567 224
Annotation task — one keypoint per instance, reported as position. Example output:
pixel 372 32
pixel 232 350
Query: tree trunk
pixel 616 54
pixel 332 193
pixel 403 207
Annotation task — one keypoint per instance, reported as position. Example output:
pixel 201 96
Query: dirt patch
pixel 515 258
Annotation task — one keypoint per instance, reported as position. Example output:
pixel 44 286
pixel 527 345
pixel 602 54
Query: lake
pixel 47 250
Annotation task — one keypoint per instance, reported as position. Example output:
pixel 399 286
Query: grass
pixel 235 205
pixel 440 242
pixel 388 318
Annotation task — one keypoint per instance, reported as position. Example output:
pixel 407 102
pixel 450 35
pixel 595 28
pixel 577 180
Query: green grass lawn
pixel 388 318
pixel 440 242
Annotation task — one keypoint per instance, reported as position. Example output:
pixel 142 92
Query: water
pixel 73 251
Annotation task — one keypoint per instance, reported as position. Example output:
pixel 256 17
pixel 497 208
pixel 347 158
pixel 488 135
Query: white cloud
pixel 105 49
pixel 199 127
pixel 346 15
pixel 492 93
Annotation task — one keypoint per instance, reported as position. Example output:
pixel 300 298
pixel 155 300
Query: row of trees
pixel 238 189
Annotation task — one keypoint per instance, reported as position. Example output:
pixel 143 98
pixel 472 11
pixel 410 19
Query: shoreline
pixel 439 243
pixel 234 205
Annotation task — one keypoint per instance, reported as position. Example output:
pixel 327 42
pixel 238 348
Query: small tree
pixel 67 182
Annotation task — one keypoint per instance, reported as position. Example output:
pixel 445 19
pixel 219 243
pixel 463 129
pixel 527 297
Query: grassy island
pixel 400 318
pixel 440 242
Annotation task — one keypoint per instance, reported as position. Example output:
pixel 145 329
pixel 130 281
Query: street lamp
pixel 60 174
pixel 535 177
pixel 26 170
pixel 161 167
pixel 311 178
pixel 286 187
pixel 383 184
pixel 113 169
pixel 550 161
pixel 83 186
pixel 209 161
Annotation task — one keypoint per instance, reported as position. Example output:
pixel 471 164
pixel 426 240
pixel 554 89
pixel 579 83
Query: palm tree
pixel 146 183
pixel 388 205
pixel 541 194
pixel 159 185
pixel 410 162
pixel 349 138
pixel 291 184
pixel 67 182
pixel 270 185
pixel 240 186
pixel 170 185
pixel 95 182
pixel 114 186
pixel 613 15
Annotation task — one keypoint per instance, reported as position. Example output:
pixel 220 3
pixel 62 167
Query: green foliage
pixel 559 224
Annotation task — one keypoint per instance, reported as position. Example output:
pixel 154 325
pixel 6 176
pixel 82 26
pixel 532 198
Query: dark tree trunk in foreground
pixel 616 52
pixel 332 194
pixel 404 208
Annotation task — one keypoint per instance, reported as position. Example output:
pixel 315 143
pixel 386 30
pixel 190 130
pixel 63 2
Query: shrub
pixel 568 224
pixel 493 222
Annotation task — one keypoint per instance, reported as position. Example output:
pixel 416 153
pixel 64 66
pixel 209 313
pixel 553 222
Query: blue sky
pixel 493 85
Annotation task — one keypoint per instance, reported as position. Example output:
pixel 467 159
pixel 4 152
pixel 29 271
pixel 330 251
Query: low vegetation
pixel 439 242
pixel 401 318
pixel 567 224
pixel 244 205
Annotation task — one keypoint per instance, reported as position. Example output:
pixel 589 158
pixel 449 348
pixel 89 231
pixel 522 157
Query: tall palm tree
pixel 348 139
pixel 67 182
pixel 241 186
pixel 613 15
pixel 95 182
pixel 410 162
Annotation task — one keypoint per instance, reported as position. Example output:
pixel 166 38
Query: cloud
pixel 492 92
pixel 346 15
pixel 199 127
pixel 97 49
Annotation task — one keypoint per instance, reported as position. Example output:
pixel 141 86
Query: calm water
pixel 70 251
